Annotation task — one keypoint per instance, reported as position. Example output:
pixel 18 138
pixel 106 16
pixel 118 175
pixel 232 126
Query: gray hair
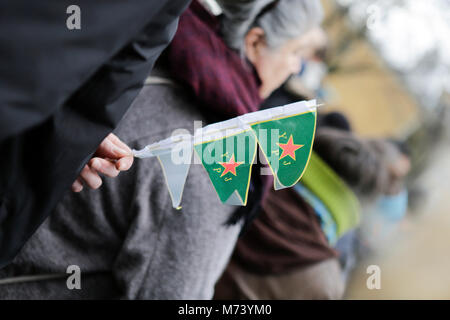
pixel 281 20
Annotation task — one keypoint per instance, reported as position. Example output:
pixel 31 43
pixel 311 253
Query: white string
pixel 242 124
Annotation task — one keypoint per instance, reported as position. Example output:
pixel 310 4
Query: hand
pixel 111 157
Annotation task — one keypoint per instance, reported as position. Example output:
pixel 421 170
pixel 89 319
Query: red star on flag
pixel 289 148
pixel 230 166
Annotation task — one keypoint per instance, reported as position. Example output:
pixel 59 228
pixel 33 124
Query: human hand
pixel 111 157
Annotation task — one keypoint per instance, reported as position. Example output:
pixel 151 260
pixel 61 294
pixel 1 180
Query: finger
pixel 91 177
pixel 124 163
pixel 104 166
pixel 77 186
pixel 108 149
pixel 120 143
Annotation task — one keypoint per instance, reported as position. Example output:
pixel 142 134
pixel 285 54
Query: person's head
pixel 270 34
pixel 353 159
pixel 396 162
pixel 370 167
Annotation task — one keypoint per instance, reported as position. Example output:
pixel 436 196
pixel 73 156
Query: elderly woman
pixel 125 238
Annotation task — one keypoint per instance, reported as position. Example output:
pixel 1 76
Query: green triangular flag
pixel 286 141
pixel 228 160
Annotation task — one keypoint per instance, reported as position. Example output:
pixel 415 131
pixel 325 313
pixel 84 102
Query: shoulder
pixel 158 110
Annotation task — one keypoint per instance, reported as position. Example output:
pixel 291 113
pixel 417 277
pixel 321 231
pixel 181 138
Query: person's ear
pixel 254 43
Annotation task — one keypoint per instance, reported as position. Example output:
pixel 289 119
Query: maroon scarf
pixel 286 236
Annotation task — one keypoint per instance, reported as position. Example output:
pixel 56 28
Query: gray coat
pixel 125 237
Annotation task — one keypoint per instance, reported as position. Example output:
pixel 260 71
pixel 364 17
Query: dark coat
pixel 62 91
pixel 126 238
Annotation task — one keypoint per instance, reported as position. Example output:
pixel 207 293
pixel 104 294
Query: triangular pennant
pixel 174 155
pixel 286 141
pixel 228 161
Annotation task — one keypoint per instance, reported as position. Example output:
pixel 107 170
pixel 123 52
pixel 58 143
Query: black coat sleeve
pixel 61 93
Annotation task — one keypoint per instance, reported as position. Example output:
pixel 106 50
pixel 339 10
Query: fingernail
pixel 121 151
pixel 96 164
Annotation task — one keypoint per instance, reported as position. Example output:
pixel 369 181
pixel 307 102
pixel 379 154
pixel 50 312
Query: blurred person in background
pixel 127 239
pixel 294 249
pixel 382 216
pixel 382 206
